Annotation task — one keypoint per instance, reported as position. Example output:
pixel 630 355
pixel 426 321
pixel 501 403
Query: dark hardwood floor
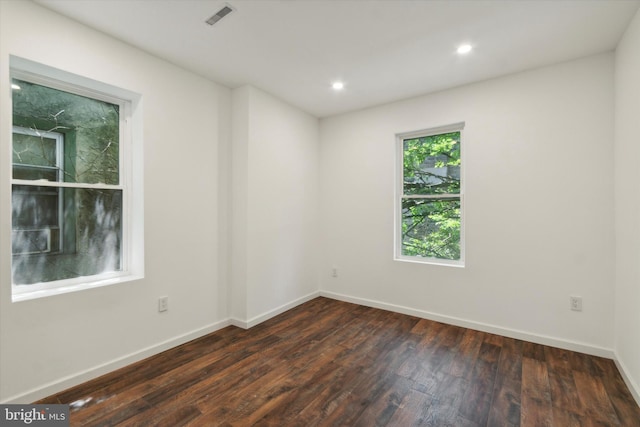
pixel 330 363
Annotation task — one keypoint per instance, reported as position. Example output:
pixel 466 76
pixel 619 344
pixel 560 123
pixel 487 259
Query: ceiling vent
pixel 220 14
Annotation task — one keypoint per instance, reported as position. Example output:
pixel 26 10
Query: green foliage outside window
pixel 431 196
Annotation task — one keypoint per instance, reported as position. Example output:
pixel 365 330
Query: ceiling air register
pixel 220 14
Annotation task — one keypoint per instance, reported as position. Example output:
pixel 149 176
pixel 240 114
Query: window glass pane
pixel 34 173
pixel 431 228
pixel 91 131
pixel 89 234
pixel 34 150
pixel 35 241
pixel 431 164
pixel 34 207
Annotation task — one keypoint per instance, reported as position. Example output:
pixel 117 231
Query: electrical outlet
pixel 334 272
pixel 163 304
pixel 575 303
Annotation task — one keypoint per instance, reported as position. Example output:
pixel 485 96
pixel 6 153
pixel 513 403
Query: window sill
pixel 431 261
pixel 46 290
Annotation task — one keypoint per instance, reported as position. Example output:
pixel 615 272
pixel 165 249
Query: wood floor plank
pixel 595 399
pixel 306 392
pixel 445 404
pixel 565 418
pixel 564 393
pixel 506 399
pixel 627 411
pixel 624 404
pixel 175 417
pixel 382 409
pixel 426 345
pixel 331 397
pixel 462 364
pixel 370 387
pixel 558 358
pixel 535 380
pixel 506 405
pixel 111 415
pixel 332 363
pixel 109 385
pixel 536 408
pixel 536 413
pixel 437 358
pixel 421 327
pixel 433 370
pixel 338 405
pixel 533 351
pixel 494 339
pixel 412 409
pixel 477 398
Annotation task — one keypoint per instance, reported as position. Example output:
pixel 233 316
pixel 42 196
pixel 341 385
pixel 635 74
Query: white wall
pixel 627 204
pixel 275 205
pixel 51 343
pixel 539 206
pixel 239 202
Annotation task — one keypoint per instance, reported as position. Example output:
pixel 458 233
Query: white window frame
pixel 130 152
pixel 399 195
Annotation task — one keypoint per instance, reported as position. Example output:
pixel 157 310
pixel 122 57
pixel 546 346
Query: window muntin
pixel 68 196
pixel 430 196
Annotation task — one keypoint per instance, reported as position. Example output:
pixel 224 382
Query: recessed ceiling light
pixel 15 86
pixel 463 49
pixel 337 85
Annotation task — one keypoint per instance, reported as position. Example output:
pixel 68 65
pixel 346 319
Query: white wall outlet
pixel 163 304
pixel 334 271
pixel 575 303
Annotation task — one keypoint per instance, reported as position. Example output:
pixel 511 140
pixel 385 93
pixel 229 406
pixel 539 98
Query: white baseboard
pixel 79 378
pixel 246 324
pixel 484 327
pixel 239 323
pixel 89 374
pixel 633 387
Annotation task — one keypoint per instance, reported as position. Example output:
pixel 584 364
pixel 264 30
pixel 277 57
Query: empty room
pixel 320 212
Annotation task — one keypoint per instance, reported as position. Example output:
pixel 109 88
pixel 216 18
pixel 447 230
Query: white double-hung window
pixel 71 186
pixel 429 196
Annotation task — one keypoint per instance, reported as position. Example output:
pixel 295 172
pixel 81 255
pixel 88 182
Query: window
pixel 430 197
pixel 70 190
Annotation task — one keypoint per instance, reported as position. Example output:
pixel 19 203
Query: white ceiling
pixel 384 50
